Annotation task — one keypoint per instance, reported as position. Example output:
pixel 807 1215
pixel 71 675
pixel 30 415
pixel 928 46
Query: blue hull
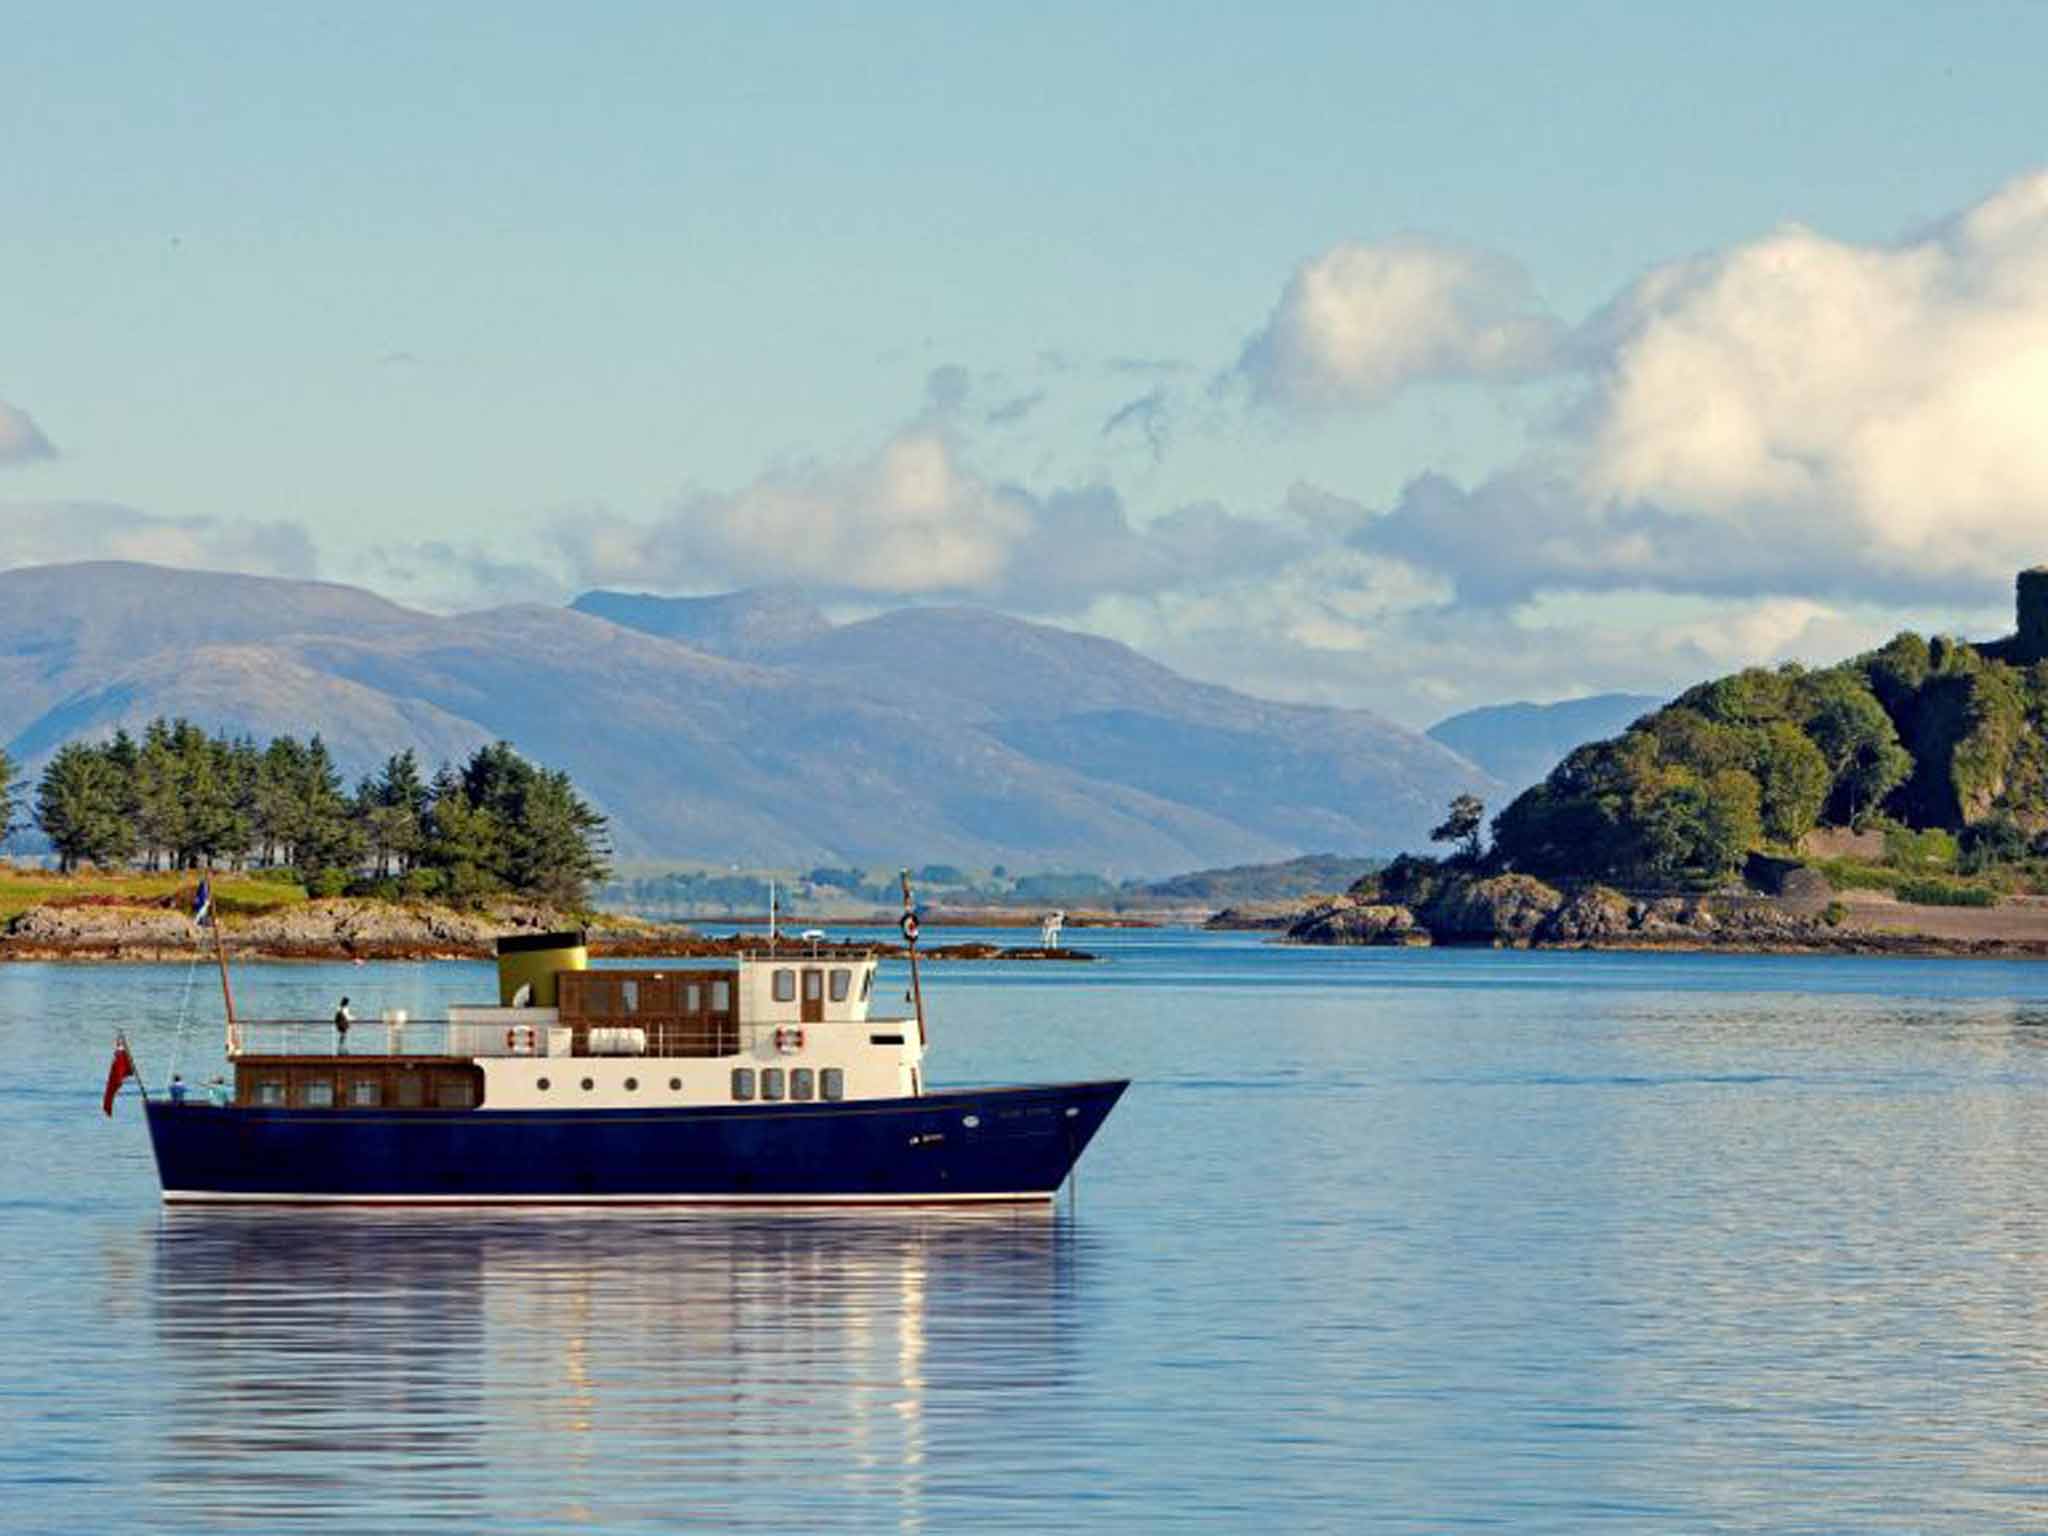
pixel 1021 1145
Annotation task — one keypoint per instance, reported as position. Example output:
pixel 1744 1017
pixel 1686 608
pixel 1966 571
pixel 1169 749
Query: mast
pixel 909 926
pixel 209 914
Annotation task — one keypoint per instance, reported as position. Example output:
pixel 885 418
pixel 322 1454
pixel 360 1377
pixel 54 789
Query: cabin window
pixel 629 996
pixel 842 984
pixel 366 1093
pixel 317 1093
pixel 455 1093
pixel 832 1084
pixel 771 1083
pixel 785 986
pixel 867 984
pixel 742 1082
pixel 412 1091
pixel 269 1090
pixel 721 996
pixel 802 1083
pixel 693 998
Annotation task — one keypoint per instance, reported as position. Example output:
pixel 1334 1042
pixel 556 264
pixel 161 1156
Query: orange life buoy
pixel 789 1041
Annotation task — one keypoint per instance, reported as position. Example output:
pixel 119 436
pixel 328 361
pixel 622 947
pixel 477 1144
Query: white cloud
pixel 1889 399
pixel 915 520
pixel 911 520
pixel 1796 417
pixel 1360 322
pixel 51 532
pixel 21 440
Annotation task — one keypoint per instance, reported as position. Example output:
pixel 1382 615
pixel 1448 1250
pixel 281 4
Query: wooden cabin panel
pixel 685 1013
pixel 372 1083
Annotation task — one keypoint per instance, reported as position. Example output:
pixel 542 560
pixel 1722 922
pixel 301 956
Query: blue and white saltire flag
pixel 202 904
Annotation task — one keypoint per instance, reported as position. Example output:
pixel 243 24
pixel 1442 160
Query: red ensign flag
pixel 122 1069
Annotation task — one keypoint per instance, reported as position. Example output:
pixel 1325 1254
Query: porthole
pixel 970 1121
pixel 588 1085
pixel 632 1083
pixel 542 1085
pixel 675 1085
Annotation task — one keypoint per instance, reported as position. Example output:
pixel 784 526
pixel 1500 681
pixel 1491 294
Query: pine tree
pixel 78 806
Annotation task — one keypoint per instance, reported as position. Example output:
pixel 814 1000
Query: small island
pixel 1894 803
pixel 295 867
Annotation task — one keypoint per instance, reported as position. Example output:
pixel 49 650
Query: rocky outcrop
pixel 1595 915
pixel 346 929
pixel 313 930
pixel 1347 920
pixel 1503 909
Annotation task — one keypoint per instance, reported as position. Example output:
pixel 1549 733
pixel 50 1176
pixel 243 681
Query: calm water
pixel 1380 1240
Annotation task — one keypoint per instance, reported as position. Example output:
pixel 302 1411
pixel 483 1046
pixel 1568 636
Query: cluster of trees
pixel 1922 733
pixel 181 799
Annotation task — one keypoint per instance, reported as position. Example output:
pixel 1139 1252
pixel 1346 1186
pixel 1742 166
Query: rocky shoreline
pixel 345 929
pixel 1516 911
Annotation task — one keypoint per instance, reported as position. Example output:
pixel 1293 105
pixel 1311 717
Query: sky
pixel 1407 359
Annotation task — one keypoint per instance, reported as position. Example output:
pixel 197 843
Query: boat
pixel 766 1079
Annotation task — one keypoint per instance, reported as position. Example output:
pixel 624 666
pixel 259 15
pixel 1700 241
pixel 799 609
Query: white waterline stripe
pixel 224 1197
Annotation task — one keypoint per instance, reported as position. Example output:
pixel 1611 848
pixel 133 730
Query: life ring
pixel 789 1041
pixel 909 927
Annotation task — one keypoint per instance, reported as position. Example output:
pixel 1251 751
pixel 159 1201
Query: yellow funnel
pixel 534 959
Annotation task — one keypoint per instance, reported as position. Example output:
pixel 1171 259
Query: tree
pixel 10 788
pixel 1792 778
pixel 1857 739
pixel 1462 826
pixel 78 806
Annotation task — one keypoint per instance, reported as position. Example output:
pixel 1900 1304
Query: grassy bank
pixel 244 894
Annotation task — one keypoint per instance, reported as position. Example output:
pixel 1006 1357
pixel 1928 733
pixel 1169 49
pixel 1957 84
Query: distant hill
pixel 927 735
pixel 1520 743
pixel 744 625
pixel 1314 874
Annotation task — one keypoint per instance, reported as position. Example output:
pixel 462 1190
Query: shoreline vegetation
pixel 1894 803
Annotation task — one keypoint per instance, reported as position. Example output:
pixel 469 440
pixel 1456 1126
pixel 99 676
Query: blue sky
pixel 1063 311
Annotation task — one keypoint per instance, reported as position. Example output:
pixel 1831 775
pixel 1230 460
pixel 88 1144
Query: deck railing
pixel 492 1037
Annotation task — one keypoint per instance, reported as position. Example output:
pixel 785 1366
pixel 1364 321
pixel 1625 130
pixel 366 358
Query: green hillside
pixel 1920 736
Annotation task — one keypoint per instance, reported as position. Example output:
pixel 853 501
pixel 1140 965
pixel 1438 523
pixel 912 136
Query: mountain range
pixel 1520 743
pixel 745 728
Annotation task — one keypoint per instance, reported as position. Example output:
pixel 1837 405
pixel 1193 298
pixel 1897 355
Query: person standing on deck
pixel 342 1019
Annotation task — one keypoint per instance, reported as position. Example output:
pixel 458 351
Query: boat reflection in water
pixel 475 1369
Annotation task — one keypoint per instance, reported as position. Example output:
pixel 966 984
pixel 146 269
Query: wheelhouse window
pixel 785 986
pixel 693 998
pixel 317 1093
pixel 412 1090
pixel 365 1093
pixel 867 984
pixel 842 984
pixel 802 1083
pixel 269 1090
pixel 832 1084
pixel 771 1083
pixel 629 996
pixel 742 1083
pixel 721 996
